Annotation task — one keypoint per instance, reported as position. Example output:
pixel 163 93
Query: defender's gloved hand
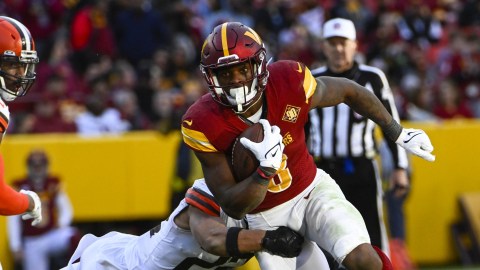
pixel 36 213
pixel 417 142
pixel 283 242
pixel 269 152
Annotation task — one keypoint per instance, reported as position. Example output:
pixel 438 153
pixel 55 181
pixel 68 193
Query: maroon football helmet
pixel 229 44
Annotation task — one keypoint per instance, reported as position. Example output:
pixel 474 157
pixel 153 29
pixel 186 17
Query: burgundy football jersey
pixel 210 127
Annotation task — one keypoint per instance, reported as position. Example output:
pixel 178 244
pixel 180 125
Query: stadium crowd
pixel 117 65
pixel 112 66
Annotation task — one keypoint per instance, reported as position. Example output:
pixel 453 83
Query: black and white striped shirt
pixel 339 132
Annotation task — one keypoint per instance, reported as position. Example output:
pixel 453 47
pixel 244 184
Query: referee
pixel 342 141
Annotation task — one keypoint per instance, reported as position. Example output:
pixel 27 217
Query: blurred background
pixel 115 77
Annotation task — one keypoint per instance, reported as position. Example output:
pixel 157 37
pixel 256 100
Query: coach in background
pixel 34 247
pixel 342 141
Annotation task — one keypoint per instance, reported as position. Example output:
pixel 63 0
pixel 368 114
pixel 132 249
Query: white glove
pixel 269 152
pixel 417 142
pixel 36 213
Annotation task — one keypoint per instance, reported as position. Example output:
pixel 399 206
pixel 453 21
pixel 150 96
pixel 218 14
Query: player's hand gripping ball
pixel 244 162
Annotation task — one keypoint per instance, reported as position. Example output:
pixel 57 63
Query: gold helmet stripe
pixel 254 36
pixel 224 40
pixel 204 44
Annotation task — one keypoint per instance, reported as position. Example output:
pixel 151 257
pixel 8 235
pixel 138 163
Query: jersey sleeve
pixel 197 140
pixel 309 83
pixel 4 117
pixel 297 77
pixel 203 201
pixel 11 201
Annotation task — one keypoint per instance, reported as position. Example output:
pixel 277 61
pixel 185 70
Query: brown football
pixel 244 162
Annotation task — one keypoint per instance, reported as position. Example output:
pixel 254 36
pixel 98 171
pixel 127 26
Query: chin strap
pixel 387 264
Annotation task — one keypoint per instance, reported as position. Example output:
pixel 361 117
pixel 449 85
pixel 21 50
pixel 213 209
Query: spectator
pixel 47 118
pixel 126 102
pixel 451 104
pixel 227 10
pixel 140 31
pixel 56 64
pixel 52 110
pixel 91 36
pixel 468 15
pixel 418 26
pixel 33 247
pixel 355 11
pixel 419 107
pixel 99 118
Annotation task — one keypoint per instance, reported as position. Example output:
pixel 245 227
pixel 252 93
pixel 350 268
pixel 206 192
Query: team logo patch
pixel 291 114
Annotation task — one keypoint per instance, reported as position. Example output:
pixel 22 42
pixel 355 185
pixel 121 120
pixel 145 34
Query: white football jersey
pixel 4 117
pixel 164 247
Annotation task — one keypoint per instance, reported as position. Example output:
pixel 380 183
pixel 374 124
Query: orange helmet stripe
pixel 25 36
pixel 225 40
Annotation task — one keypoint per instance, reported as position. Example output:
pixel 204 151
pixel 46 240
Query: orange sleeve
pixel 12 202
pixel 203 201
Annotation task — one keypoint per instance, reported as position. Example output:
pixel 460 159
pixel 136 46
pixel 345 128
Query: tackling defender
pixel 193 237
pixel 287 189
pixel 18 58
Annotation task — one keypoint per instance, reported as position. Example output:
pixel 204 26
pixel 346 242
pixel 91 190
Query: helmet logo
pixel 9 53
pixel 254 36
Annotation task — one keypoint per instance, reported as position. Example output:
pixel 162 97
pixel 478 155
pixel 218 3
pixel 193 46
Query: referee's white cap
pixel 339 27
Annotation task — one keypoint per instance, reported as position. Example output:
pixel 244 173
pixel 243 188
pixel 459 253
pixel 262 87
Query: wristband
pixel 392 131
pixel 261 177
pixel 231 242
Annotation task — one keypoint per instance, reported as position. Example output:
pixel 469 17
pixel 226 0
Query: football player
pixel 195 236
pixel 18 59
pixel 287 189
pixel 30 246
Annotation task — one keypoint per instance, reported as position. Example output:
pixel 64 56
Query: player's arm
pixel 13 202
pixel 236 199
pixel 333 91
pixel 24 202
pixel 211 233
pixel 214 237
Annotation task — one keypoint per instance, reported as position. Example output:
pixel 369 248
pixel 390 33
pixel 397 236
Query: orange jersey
pixel 210 127
pixel 11 201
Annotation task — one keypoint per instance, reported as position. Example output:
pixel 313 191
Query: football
pixel 244 162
